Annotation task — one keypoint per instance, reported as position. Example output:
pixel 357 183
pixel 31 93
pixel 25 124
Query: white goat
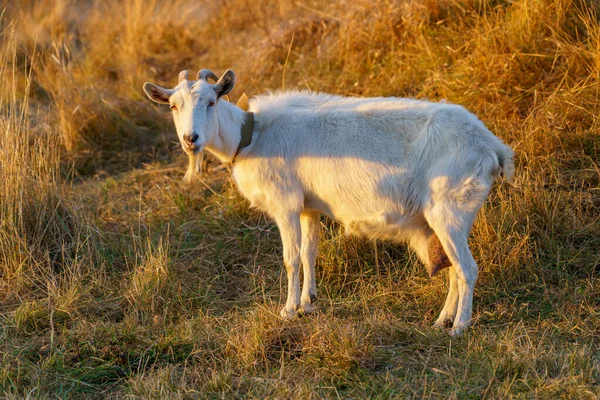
pixel 389 168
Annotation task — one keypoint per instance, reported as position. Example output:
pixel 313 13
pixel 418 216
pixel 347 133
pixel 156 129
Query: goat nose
pixel 190 138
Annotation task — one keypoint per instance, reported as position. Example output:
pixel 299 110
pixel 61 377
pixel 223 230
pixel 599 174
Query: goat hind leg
pixel 448 313
pixel 452 226
pixel 429 249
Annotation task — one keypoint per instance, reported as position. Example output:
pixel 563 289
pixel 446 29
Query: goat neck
pixel 226 145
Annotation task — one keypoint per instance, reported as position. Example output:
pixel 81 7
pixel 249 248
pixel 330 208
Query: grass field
pixel 118 281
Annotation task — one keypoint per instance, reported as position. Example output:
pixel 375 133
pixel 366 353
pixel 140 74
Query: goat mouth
pixel 191 149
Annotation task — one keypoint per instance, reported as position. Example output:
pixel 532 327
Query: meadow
pixel 119 281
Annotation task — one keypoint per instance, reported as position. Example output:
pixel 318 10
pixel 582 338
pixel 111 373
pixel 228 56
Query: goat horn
pixel 205 74
pixel 183 76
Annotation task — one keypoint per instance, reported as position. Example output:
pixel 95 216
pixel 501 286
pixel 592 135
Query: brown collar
pixel 246 132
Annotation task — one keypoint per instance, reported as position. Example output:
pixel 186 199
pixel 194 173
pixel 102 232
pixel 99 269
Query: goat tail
pixel 505 160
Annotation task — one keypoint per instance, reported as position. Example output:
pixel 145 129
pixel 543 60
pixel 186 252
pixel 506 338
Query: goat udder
pixel 438 259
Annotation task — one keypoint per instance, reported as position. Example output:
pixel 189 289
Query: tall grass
pixel 47 247
pixel 90 70
pixel 35 222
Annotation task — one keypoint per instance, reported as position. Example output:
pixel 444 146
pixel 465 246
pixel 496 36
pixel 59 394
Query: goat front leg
pixel 309 222
pixel 289 228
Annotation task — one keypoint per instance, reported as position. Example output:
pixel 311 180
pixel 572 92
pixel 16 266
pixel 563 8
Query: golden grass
pixel 118 281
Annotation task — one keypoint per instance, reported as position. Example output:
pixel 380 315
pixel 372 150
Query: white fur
pixel 388 168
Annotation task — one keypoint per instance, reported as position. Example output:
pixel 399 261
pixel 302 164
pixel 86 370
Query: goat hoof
pixel 287 314
pixel 458 330
pixel 306 309
pixel 443 323
pixel 439 325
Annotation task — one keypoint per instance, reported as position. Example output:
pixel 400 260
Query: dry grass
pixel 117 281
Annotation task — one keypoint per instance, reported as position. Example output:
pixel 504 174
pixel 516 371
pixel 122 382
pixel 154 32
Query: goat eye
pixel 211 103
pixel 173 107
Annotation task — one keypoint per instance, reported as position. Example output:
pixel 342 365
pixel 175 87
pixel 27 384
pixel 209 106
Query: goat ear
pixel 225 84
pixel 243 102
pixel 157 93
